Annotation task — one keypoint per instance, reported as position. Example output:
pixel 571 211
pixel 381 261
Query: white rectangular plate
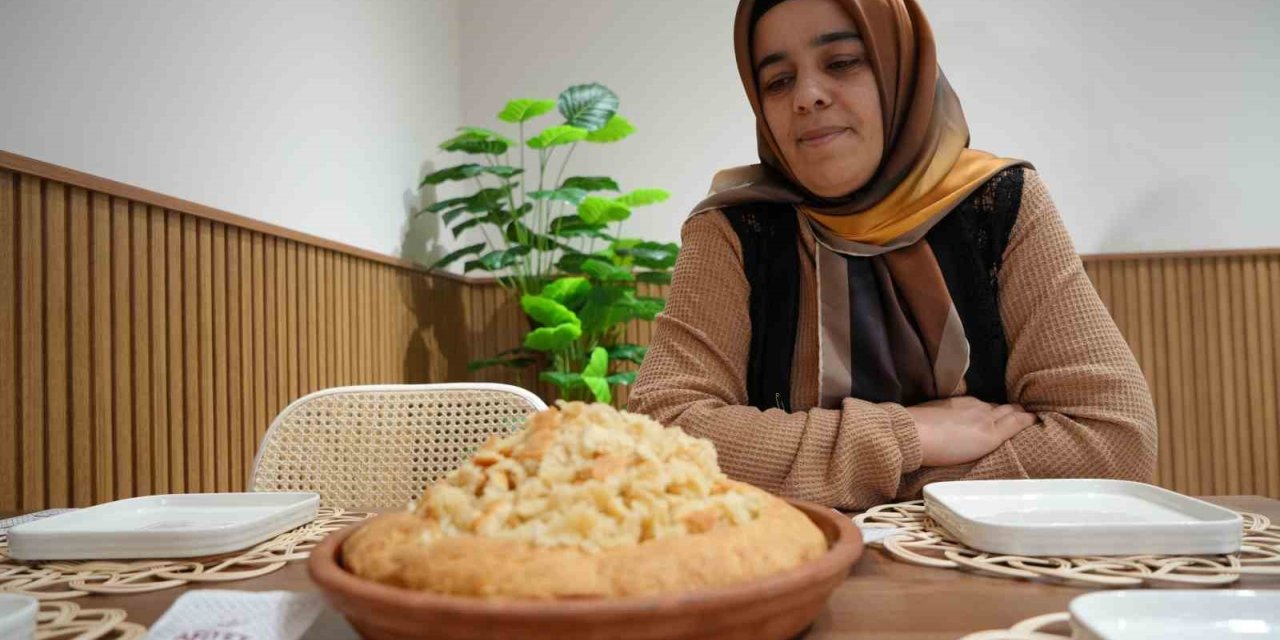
pixel 1080 518
pixel 1176 615
pixel 169 526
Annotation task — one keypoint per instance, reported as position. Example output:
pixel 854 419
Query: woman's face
pixel 819 95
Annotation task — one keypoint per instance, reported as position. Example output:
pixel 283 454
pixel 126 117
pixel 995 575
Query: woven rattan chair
pixel 378 447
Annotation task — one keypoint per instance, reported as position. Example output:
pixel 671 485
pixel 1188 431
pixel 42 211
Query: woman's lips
pixel 821 137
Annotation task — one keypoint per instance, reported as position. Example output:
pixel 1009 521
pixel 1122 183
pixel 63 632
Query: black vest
pixel 969 245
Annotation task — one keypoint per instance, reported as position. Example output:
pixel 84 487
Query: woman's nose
pixel 811 95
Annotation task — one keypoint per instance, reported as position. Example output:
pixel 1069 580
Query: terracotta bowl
pixel 779 606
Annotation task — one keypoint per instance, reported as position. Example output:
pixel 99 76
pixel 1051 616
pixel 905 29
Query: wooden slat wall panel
pixel 146 349
pixel 235 410
pixel 176 371
pixel 157 258
pixel 31 340
pixel 55 316
pixel 1205 329
pixel 122 347
pixel 100 333
pixel 10 453
pixel 81 357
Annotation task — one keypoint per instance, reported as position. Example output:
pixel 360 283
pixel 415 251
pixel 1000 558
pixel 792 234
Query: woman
pixel 876 306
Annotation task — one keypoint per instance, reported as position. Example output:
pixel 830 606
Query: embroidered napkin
pixel 238 615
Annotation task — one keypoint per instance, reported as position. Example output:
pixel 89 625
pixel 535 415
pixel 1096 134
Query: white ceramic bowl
pixel 18 616
pixel 1156 614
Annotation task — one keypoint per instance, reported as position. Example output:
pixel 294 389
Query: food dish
pixel 585 502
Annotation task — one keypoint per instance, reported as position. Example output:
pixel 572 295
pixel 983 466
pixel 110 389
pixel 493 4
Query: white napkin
pixel 876 534
pixel 238 615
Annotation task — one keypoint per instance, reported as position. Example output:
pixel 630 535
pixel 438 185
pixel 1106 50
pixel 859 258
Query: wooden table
pixel 882 598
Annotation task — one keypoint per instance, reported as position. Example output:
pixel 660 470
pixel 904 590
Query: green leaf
pixel 588 106
pixel 460 172
pixel 503 171
pixel 571 262
pixel 450 216
pixel 629 352
pixel 594 375
pixel 642 197
pixel 467 224
pixel 574 227
pixel 567 291
pixel 591 183
pixel 525 109
pixel 437 207
pixel 490 199
pixel 496 216
pixel 597 210
pixel 557 135
pixel 552 338
pixel 477 141
pixel 614 130
pixel 519 232
pixel 548 312
pixel 466 171
pixel 598 365
pixel 561 379
pixel 599 388
pixel 521 212
pixel 605 271
pixel 495 260
pixel 624 378
pixel 650 255
pixel 453 257
pixel 567 194
pixel 488 134
pixel 602 302
pixel 654 277
pixel 648 308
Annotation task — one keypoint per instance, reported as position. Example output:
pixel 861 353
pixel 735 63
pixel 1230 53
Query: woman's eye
pixel 778 84
pixel 843 64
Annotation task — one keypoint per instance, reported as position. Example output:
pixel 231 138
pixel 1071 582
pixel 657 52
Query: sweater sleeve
pixel 1068 364
pixel 694 377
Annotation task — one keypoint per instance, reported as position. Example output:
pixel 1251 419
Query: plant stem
pixel 521 236
pixel 560 176
pixel 559 182
pixel 541 215
pixel 506 244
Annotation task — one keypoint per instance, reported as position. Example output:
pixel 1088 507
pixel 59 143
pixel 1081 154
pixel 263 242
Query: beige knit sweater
pixel 1067 363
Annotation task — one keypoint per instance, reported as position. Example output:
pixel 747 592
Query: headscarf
pixel 889 330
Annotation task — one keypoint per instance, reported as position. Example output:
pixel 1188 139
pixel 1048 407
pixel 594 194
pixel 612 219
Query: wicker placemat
pixel 65 620
pixel 1052 626
pixel 61 580
pixel 921 541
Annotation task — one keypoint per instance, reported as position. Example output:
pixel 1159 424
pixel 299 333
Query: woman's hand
pixel 960 430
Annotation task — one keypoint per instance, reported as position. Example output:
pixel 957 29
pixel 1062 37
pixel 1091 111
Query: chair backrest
pixel 378 447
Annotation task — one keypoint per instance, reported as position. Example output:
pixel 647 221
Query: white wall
pixel 1153 121
pixel 315 115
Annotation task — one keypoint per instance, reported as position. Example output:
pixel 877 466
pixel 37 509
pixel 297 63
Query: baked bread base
pixel 391 550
